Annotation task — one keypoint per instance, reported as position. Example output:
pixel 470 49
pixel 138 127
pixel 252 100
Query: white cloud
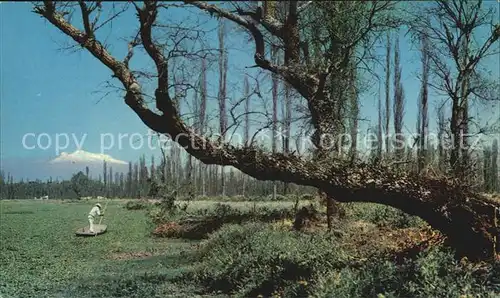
pixel 81 156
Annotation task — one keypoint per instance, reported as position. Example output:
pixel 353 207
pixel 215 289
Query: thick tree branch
pixel 147 17
pixel 291 37
pixel 305 83
pixel 271 24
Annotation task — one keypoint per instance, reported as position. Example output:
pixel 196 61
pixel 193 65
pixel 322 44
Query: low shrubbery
pixel 255 259
pixel 198 224
pixel 279 198
pixel 433 273
pixel 379 252
pixel 307 197
pixel 137 205
pixel 242 198
pixel 382 216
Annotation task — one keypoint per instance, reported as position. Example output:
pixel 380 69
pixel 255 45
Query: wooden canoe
pixel 99 229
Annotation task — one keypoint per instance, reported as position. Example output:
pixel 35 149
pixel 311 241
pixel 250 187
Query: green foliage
pixel 307 197
pixel 241 198
pixel 434 273
pixel 278 198
pixel 382 215
pixel 136 205
pixel 80 184
pixel 46 260
pixel 255 259
pixel 199 223
pixel 167 203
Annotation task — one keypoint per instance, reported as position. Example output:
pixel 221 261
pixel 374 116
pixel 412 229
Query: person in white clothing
pixel 93 214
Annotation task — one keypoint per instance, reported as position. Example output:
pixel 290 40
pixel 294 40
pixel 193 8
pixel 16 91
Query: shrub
pixel 202 222
pixel 255 259
pixel 171 229
pixel 382 215
pixel 281 198
pixel 158 215
pixel 202 198
pixel 278 198
pixel 220 198
pixel 136 205
pixel 239 198
pixel 434 273
pixel 307 197
pixel 167 203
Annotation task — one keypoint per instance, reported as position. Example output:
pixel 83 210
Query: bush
pixel 307 197
pixel 159 216
pixel 171 229
pixel 278 198
pixel 382 215
pixel 200 223
pixel 254 259
pixel 136 205
pixel 434 273
pixel 239 198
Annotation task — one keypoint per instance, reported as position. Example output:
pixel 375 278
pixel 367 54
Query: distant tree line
pixel 154 180
pixel 174 175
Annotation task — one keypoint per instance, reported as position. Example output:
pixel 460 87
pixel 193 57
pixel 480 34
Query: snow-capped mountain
pixel 62 166
pixel 84 157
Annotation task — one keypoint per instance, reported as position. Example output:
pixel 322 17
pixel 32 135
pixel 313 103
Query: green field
pixel 41 257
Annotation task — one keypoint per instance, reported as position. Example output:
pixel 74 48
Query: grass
pixel 42 257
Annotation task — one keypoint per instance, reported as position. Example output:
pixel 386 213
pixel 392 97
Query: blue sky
pixel 48 90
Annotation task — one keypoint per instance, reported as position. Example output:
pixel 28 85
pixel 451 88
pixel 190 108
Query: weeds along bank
pixel 256 259
pixel 375 251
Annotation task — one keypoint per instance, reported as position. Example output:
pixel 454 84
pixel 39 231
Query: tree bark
pixel 275 87
pixel 398 105
pixel 387 95
pixel 423 107
pixel 223 59
pixel 202 121
pixel 246 137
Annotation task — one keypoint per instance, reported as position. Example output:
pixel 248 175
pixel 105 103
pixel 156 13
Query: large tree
pixel 275 90
pixel 423 105
pixel 464 216
pixel 398 104
pixel 223 60
pixel 455 57
pixel 202 119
